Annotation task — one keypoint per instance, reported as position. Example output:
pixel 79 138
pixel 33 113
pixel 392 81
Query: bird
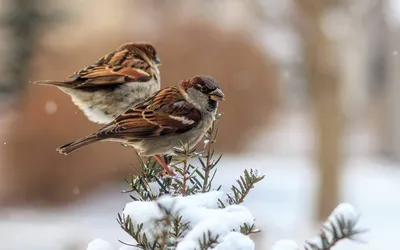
pixel 118 80
pixel 174 115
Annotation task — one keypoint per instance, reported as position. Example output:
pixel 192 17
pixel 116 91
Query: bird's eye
pixel 202 88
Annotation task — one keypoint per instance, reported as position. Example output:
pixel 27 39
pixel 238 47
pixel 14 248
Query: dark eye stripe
pixel 204 88
pixel 209 90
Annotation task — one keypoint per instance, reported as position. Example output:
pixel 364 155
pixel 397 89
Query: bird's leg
pixel 164 165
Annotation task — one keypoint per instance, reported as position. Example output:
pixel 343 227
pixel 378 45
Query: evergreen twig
pixel 211 137
pixel 245 183
pixel 337 229
pixel 246 229
pixel 208 241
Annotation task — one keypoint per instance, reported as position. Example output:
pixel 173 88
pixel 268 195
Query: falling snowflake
pixel 286 75
pixel 50 107
pixel 76 191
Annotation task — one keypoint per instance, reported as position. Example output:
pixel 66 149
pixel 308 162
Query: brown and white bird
pixel 181 113
pixel 114 83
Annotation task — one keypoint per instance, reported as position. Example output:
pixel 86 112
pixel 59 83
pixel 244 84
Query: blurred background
pixel 312 102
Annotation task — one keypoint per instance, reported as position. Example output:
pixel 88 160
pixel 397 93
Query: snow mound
pixel 235 241
pixel 285 245
pixel 205 218
pixel 99 244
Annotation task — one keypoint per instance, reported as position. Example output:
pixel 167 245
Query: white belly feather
pixel 103 106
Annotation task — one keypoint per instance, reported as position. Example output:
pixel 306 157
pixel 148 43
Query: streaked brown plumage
pixel 182 113
pixel 114 83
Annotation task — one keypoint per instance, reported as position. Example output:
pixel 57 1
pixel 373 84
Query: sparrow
pixel 178 114
pixel 114 83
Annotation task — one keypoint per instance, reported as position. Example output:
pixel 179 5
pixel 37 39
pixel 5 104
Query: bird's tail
pixel 72 146
pixel 52 83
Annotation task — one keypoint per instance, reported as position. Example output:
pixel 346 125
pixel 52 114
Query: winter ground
pixel 282 204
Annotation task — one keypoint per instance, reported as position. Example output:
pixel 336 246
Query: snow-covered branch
pixel 340 225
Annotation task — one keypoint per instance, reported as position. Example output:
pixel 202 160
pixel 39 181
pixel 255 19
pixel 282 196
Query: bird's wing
pixel 118 67
pixel 165 113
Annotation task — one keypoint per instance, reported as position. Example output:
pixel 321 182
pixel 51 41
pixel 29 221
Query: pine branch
pixel 135 232
pixel 206 167
pixel 178 229
pixel 211 137
pixel 246 229
pixel 245 183
pixel 337 229
pixel 180 184
pixel 141 183
pixel 208 241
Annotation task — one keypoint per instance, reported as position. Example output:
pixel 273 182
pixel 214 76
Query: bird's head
pixel 203 91
pixel 145 48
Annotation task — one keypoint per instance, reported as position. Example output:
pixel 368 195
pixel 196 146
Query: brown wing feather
pixel 164 113
pixel 118 67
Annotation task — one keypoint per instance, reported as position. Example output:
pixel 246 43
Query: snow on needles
pixel 219 222
pixel 203 214
pixel 346 211
pixel 343 211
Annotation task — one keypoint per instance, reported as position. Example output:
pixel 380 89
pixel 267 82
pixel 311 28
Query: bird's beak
pixel 157 61
pixel 217 95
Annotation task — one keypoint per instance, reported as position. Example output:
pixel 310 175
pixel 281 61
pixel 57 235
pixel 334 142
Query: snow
pixel 218 222
pixel 142 212
pixel 200 210
pixel 192 208
pixel 99 244
pixel 285 245
pixel 235 241
pixel 345 210
pixel 208 200
pixel 316 241
pixel 129 248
